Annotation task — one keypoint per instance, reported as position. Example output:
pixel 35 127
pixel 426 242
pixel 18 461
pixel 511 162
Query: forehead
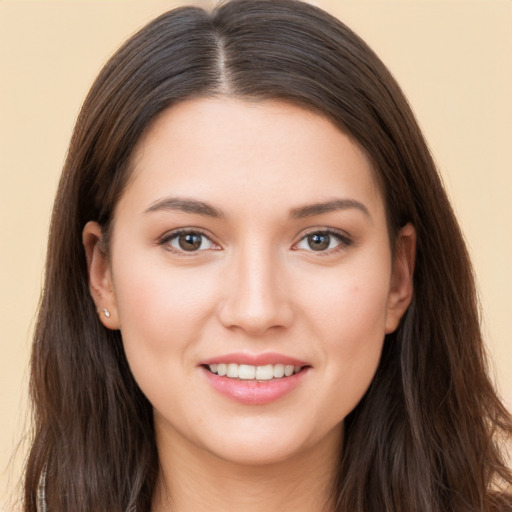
pixel 236 152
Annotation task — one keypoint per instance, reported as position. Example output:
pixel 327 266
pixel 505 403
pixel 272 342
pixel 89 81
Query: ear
pixel 100 275
pixel 401 289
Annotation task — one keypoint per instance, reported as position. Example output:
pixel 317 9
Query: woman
pixel 257 296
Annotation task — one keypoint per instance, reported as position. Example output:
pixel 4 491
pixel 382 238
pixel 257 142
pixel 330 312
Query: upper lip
pixel 255 359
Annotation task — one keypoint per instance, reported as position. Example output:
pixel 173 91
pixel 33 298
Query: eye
pixel 189 241
pixel 322 241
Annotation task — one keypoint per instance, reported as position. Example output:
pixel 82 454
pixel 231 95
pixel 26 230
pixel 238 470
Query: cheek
pixel 351 304
pixel 356 331
pixel 161 309
pixel 163 313
pixel 349 315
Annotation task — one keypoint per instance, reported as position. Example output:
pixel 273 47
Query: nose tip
pixel 256 302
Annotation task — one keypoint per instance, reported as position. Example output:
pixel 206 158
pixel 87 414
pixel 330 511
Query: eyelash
pixel 344 241
pixel 168 238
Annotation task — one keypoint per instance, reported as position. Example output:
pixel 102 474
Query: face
pixel 251 275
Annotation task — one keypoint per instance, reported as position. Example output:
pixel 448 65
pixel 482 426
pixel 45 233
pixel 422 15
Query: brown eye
pixel 189 241
pixel 323 241
pixel 319 241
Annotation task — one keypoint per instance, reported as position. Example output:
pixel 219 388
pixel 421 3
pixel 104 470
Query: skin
pixel 254 285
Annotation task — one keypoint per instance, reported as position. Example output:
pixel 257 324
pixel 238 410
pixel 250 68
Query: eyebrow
pixel 328 206
pixel 207 210
pixel 187 206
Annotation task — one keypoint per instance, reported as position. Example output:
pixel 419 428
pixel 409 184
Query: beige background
pixel 452 58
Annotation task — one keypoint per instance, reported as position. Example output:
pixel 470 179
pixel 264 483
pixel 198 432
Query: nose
pixel 256 298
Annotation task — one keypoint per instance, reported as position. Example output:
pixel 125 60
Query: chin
pixel 273 447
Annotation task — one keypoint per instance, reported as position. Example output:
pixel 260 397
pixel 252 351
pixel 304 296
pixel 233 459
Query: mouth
pixel 255 379
pixel 267 372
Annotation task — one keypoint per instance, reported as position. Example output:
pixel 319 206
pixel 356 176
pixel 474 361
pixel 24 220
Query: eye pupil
pixel 190 241
pixel 319 241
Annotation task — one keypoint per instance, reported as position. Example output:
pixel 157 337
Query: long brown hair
pixel 426 436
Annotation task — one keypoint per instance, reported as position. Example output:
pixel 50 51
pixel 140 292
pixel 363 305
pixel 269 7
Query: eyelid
pixel 173 234
pixel 343 237
pixel 345 240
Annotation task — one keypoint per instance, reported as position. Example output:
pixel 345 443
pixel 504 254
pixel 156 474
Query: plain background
pixel 451 57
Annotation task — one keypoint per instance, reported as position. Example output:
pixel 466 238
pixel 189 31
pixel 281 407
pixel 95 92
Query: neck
pixel 192 480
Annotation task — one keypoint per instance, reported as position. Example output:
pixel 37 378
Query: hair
pixel 430 432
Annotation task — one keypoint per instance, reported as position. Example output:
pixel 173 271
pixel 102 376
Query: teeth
pixel 232 370
pixel 250 372
pixel 246 371
pixel 265 372
pixel 279 371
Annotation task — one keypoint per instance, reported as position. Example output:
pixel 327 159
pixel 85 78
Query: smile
pixel 255 379
pixel 251 372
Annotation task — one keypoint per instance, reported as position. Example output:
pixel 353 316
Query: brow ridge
pixel 311 210
pixel 202 208
pixel 187 206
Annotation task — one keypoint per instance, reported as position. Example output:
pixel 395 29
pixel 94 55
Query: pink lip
pixel 253 392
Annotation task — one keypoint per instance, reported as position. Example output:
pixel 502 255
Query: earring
pixel 105 311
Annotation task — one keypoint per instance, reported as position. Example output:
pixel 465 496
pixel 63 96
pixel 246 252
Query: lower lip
pixel 254 392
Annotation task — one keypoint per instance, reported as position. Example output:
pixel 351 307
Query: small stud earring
pixel 105 311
